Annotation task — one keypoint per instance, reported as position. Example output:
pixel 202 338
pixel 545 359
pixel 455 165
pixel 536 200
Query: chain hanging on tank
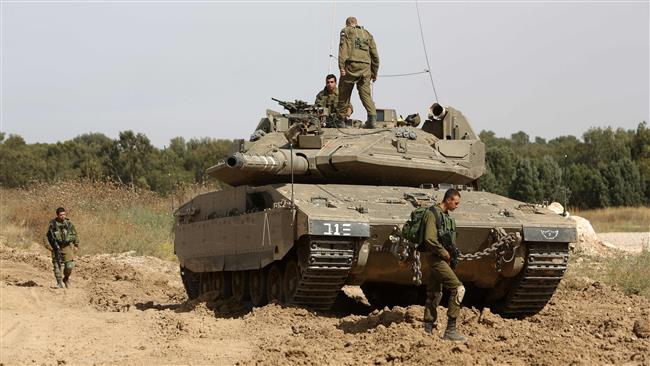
pixel 504 243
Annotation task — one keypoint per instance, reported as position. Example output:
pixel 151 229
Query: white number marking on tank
pixel 343 230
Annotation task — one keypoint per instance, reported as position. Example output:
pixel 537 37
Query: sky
pixel 209 69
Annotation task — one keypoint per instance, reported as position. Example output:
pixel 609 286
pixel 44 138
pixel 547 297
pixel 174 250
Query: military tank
pixel 314 204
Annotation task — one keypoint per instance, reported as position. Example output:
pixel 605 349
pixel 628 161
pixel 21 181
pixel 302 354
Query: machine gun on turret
pixel 299 106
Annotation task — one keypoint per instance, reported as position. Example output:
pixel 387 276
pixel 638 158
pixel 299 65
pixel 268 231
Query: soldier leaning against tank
pixel 440 233
pixel 64 243
pixel 329 96
pixel 358 64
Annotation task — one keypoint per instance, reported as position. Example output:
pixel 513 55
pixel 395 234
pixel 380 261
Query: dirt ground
pixel 630 242
pixel 132 310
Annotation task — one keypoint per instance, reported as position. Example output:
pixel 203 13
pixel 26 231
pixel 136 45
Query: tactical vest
pixel 446 227
pixel 62 232
pixel 359 39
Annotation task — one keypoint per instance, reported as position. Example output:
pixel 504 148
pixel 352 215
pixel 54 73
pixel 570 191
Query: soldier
pixel 329 96
pixel 63 240
pixel 440 237
pixel 358 64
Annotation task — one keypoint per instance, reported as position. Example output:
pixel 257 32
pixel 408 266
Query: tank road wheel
pixel 274 283
pixel 291 280
pixel 191 282
pixel 257 287
pixel 221 284
pixel 206 282
pixel 240 291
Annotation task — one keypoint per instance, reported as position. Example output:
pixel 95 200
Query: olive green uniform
pixel 441 275
pixel 359 58
pixel 65 236
pixel 328 100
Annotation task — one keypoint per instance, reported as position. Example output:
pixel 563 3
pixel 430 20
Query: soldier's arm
pixel 318 99
pixel 76 236
pixel 344 50
pixel 374 57
pixel 431 236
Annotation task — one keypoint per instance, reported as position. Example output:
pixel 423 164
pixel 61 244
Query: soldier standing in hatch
pixel 329 96
pixel 63 240
pixel 358 64
pixel 440 239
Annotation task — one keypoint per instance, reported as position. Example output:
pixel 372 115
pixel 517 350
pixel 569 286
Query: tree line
pixel 607 167
pixel 130 159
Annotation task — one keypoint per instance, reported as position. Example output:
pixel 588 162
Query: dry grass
pixel 109 218
pixel 618 219
pixel 630 272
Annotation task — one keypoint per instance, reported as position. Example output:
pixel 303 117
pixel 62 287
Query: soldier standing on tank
pixel 329 96
pixel 64 243
pixel 358 64
pixel 440 238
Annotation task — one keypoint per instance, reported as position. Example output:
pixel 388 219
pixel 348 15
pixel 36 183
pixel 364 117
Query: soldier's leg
pixel 67 271
pixel 456 289
pixel 366 99
pixel 57 272
pixel 67 256
pixel 434 294
pixel 346 83
pixel 450 282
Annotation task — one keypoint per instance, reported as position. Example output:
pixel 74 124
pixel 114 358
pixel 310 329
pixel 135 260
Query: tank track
pixel 325 269
pixel 545 266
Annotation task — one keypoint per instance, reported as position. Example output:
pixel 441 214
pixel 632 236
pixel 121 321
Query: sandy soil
pixel 132 310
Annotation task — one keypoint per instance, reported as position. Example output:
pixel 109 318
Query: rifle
pixel 56 249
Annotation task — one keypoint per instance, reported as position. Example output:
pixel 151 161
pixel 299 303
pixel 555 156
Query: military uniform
pixel 328 100
pixel 441 231
pixel 359 58
pixel 64 235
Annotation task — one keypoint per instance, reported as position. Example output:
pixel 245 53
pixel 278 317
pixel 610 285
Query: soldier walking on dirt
pixel 440 239
pixel 358 64
pixel 63 240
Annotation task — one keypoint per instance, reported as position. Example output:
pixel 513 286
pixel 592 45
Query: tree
pixel 130 156
pixel 525 183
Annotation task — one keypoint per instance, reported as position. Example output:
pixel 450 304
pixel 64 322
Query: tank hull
pixel 334 234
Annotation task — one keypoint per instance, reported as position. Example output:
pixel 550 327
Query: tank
pixel 314 204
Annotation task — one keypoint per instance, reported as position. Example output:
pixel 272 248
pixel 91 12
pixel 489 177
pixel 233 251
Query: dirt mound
pixel 132 310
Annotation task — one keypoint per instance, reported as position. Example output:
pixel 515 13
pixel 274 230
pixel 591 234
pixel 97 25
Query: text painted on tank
pixel 338 228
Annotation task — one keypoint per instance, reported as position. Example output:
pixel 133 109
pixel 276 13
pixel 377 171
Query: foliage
pixel 130 160
pixel 109 217
pixel 606 168
pixel 628 271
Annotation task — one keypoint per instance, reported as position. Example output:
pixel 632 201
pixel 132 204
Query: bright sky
pixel 207 68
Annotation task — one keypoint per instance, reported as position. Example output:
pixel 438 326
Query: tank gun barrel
pixel 279 162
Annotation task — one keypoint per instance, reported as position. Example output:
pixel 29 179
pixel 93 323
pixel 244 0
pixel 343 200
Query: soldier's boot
pixel 371 122
pixel 339 121
pixel 59 283
pixel 429 327
pixel 451 334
